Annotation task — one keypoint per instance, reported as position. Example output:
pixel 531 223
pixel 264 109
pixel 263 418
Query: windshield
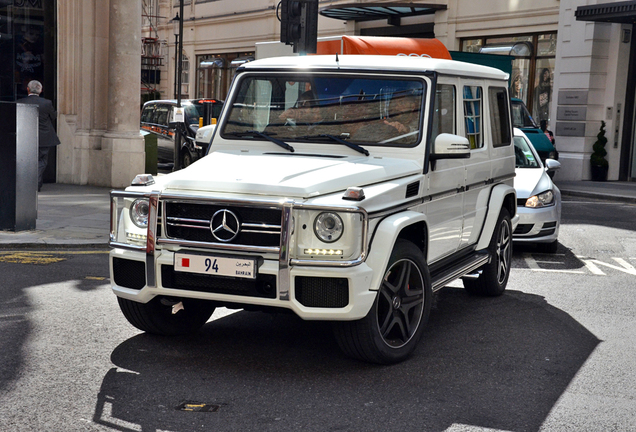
pixel 524 156
pixel 360 110
pixel 521 117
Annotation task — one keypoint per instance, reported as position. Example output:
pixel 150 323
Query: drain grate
pixel 192 406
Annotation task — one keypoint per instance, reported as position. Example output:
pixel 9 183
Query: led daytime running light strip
pixel 137 237
pixel 323 252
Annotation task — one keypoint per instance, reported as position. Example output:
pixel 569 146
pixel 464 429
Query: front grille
pixel 192 221
pixel 521 202
pixel 129 273
pixel 322 292
pixel 263 286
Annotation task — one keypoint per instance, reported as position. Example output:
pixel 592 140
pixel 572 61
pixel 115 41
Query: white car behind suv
pixel 342 188
pixel 538 198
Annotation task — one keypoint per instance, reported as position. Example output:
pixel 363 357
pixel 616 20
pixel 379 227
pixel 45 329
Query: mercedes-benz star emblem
pixel 225 225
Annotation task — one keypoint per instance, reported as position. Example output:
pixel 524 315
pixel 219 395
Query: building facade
pixel 574 64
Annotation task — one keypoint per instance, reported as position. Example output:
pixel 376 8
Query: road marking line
pixel 30 258
pixel 592 265
pixel 60 252
pixel 559 271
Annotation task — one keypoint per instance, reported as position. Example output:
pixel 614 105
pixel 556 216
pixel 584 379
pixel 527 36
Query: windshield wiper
pixel 255 133
pixel 353 146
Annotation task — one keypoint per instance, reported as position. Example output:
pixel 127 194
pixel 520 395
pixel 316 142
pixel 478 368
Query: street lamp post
pixel 178 126
pixel 175 25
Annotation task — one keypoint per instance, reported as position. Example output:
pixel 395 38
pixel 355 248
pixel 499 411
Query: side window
pixel 444 110
pixel 472 116
pixel 499 118
pixel 161 115
pixel 146 114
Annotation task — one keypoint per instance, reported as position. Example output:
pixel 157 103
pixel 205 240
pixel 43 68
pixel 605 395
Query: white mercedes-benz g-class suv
pixel 342 188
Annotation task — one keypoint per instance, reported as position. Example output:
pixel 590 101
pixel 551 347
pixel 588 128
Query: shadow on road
pixel 498 363
pixel 23 270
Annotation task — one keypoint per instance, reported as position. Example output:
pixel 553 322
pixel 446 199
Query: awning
pixel 378 11
pixel 617 12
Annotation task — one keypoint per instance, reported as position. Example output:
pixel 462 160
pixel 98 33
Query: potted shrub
pixel 598 163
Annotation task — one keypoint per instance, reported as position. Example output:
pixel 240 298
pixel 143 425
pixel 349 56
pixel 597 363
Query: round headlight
pixel 139 212
pixel 328 227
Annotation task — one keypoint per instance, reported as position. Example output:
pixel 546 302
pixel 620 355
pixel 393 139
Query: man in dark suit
pixel 47 137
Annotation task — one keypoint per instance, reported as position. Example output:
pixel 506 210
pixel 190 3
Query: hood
pixel 531 181
pixel 292 175
pixel 538 139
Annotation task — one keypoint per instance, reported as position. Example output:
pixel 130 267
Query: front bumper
pixel 313 288
pixel 537 225
pixel 324 293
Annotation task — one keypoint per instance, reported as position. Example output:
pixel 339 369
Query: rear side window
pixel 472 116
pixel 499 117
pixel 161 115
pixel 444 110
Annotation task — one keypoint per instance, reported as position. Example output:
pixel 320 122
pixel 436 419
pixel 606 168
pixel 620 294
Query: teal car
pixel 522 119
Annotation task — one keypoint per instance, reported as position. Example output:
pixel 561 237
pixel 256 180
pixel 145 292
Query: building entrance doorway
pixel 28 51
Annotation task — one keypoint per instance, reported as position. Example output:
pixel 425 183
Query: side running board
pixel 462 268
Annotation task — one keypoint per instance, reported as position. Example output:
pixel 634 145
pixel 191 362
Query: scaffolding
pixel 152 50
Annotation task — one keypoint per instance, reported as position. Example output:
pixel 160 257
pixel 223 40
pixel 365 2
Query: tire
pixel 156 316
pixel 494 277
pixel 187 159
pixel 394 326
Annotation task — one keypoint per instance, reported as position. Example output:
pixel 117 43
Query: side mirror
pixel 449 146
pixel 552 165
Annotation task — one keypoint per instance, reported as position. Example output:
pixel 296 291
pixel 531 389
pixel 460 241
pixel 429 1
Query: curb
pixel 599 196
pixel 53 246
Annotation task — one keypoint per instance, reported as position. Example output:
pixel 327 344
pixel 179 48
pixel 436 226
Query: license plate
pixel 215 265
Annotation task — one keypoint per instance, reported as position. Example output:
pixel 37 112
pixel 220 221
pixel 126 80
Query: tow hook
pixel 176 305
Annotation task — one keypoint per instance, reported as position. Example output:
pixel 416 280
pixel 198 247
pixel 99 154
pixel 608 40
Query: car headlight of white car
pixel 139 210
pixel 129 220
pixel 331 235
pixel 543 199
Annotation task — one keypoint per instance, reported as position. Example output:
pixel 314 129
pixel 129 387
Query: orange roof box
pixel 377 45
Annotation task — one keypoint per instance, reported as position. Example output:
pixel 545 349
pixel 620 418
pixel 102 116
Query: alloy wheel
pixel 400 303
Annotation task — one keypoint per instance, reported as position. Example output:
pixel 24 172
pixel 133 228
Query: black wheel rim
pixel 504 251
pixel 400 303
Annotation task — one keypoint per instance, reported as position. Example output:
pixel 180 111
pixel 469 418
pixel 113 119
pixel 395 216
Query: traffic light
pixel 299 24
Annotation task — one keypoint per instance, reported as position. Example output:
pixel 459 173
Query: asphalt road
pixel 555 353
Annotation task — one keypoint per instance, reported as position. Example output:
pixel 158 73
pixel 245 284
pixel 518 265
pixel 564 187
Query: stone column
pixel 123 145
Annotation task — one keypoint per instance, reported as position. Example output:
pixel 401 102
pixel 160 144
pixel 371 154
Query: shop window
pixel 532 69
pixel 215 73
pixel 185 76
pixel 472 116
pixel 472 45
pixel 28 47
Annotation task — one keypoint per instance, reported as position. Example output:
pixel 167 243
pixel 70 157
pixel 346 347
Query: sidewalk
pixel 78 216
pixel 68 216
pixel 610 190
